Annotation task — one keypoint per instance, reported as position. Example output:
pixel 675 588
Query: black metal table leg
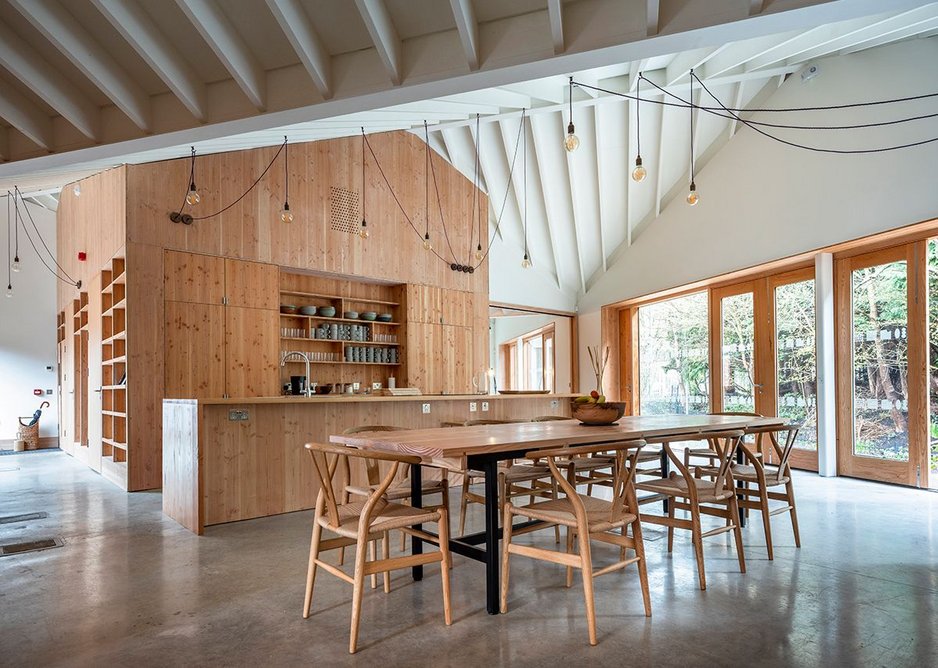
pixel 490 467
pixel 740 459
pixel 416 500
pixel 665 471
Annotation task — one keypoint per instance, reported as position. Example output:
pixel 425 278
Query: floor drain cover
pixel 30 546
pixel 10 519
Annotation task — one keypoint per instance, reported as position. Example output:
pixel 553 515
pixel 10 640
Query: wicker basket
pixel 28 433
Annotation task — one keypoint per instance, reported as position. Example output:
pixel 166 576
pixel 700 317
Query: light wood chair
pixel 687 490
pixel 587 518
pixel 362 522
pixel 511 479
pixel 766 476
pixel 709 455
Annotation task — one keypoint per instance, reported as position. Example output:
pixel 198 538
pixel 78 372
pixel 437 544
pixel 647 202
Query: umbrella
pixel 37 414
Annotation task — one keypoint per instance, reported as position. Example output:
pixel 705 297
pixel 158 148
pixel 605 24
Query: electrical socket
pixel 426 409
pixel 485 406
pixel 237 415
pixel 473 407
pixel 555 404
pixel 376 386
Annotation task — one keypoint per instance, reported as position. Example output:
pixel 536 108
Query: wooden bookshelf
pixel 114 371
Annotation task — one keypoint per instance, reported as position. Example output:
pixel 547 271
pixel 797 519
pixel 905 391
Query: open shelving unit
pixel 80 310
pixel 114 369
pixel 305 332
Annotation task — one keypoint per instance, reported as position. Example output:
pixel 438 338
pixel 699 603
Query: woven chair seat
pixel 561 512
pixel 677 486
pixel 518 472
pixel 390 516
pixel 773 476
pixel 400 490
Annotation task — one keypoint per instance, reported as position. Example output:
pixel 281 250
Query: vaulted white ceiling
pixel 75 79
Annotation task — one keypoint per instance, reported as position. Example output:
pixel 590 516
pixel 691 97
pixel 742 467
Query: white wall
pixel 27 331
pixel 510 284
pixel 761 200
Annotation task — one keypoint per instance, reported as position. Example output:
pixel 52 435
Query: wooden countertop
pixel 356 398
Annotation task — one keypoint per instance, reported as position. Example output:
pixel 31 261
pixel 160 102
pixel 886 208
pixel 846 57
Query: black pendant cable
pixel 476 203
pixel 692 197
pixel 526 262
pixel 363 232
pixel 639 173
pixel 15 266
pixel 455 265
pixel 18 219
pixel 9 245
pixel 192 197
pixel 427 246
pixel 286 216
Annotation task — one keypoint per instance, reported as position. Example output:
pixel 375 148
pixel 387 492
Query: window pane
pixel 549 364
pixel 534 363
pixel 880 362
pixel 796 359
pixel 737 353
pixel 674 369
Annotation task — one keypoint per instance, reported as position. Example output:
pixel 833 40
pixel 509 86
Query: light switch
pixel 426 409
pixel 485 406
pixel 473 407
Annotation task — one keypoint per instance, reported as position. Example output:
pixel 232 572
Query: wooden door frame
pixel 884 470
pixel 800 458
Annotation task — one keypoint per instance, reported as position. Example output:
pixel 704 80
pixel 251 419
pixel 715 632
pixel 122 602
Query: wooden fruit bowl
pixel 598 414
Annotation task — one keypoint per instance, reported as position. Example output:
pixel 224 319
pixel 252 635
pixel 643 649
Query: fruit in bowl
pixel 593 409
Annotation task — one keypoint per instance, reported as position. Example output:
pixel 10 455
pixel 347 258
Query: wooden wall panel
pixel 252 284
pixel 181 467
pixel 194 336
pixel 193 277
pixel 252 352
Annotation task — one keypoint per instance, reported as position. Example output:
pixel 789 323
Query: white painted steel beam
pixel 219 33
pixel 139 30
pixel 468 29
pixel 305 41
pixel 383 35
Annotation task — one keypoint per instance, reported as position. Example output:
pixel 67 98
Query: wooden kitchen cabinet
pixel 194 347
pixel 193 278
pixel 252 341
pixel 252 284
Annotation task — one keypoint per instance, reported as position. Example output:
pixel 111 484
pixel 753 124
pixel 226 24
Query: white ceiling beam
pixel 305 41
pixel 755 7
pixel 659 160
pixel 139 30
pixel 218 32
pixel 58 25
pixel 637 69
pixel 599 183
pixel 555 16
pixel 918 30
pixel 574 197
pixel 683 63
pixel 652 17
pixel 540 174
pixel 26 117
pixel 737 102
pixel 739 54
pixel 25 63
pixel 514 178
pixel 468 29
pixel 383 35
pixel 4 144
pixel 877 30
pixel 438 144
pixel 495 97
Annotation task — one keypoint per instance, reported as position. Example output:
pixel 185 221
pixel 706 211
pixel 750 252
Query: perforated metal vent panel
pixel 346 216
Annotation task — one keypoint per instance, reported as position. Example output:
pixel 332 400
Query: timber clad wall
pixel 123 212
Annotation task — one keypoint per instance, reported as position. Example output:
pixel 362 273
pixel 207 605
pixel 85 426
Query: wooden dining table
pixel 482 447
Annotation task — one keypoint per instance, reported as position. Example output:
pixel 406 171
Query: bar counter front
pixel 226 460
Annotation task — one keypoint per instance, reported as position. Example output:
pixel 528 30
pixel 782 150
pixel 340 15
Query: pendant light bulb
pixel 639 173
pixel 15 266
pixel 286 216
pixel 427 246
pixel 363 232
pixel 571 141
pixel 193 197
pixel 692 196
pixel 480 254
pixel 9 291
pixel 526 262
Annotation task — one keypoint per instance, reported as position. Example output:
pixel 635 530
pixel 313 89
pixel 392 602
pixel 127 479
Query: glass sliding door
pixel 793 315
pixel 880 319
pixel 673 361
pixel 739 350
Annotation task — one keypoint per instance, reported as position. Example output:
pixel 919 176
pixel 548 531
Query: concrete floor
pixel 131 587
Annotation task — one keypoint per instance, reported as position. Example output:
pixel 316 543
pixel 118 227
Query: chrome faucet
pixel 287 356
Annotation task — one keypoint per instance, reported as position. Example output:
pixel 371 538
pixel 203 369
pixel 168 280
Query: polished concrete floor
pixel 131 587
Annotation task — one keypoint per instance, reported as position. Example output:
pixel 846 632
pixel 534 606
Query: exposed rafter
pixel 555 15
pixel 25 117
pixel 652 17
pixel 62 29
pixel 468 29
pixel 306 42
pixel 142 34
pixel 383 35
pixel 217 30
pixel 25 63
